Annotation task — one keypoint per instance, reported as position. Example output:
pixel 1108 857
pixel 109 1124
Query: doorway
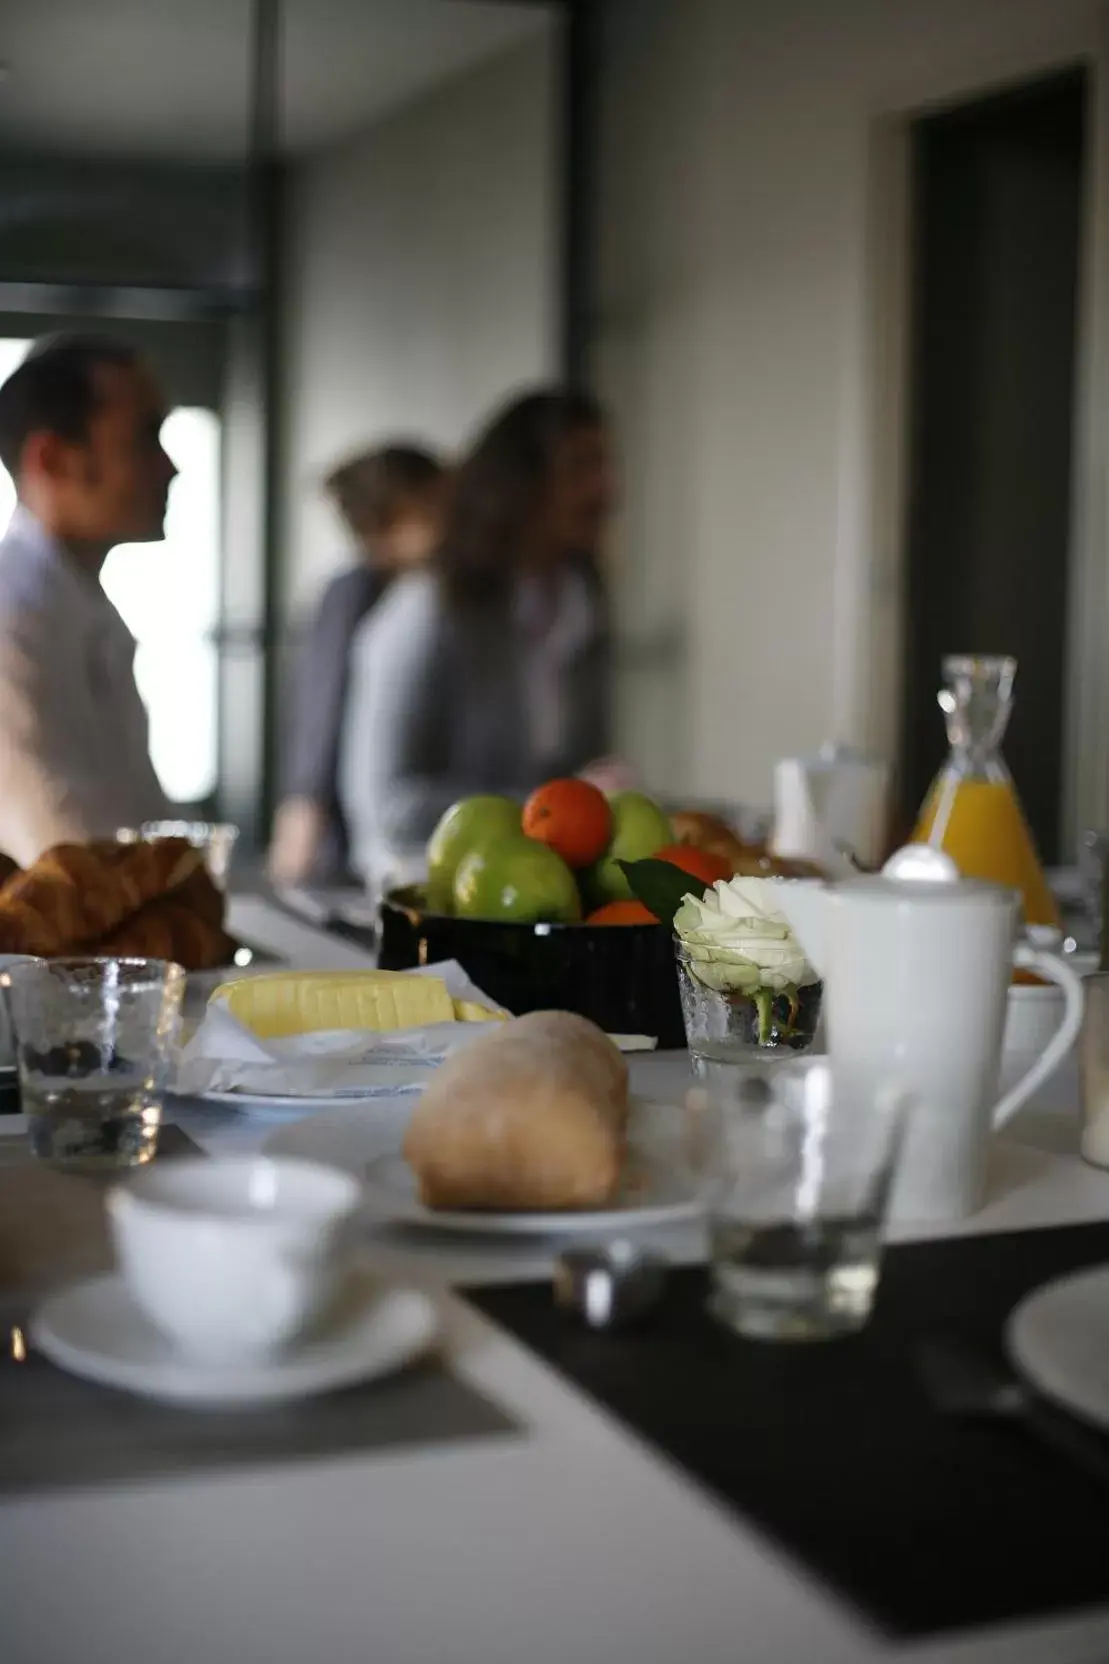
pixel 997 192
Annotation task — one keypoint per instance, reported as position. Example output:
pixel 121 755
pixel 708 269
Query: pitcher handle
pixel 1054 970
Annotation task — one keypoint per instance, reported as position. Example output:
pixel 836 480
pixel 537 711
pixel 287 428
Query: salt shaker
pixel 608 1286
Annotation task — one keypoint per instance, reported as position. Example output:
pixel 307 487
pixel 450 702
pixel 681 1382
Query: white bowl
pixel 233 1258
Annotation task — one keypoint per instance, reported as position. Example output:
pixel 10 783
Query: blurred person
pixel 488 672
pixel 80 434
pixel 391 501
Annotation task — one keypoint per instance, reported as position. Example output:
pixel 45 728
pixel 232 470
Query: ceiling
pixel 168 79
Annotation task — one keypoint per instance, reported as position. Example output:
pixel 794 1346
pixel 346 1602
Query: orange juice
pixel 988 837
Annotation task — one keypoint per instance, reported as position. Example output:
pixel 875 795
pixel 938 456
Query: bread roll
pixel 529 1119
pixel 691 826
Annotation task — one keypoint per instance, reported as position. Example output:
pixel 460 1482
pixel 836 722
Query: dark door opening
pixel 996 234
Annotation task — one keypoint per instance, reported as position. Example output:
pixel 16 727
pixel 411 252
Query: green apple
pixel 516 879
pixel 473 823
pixel 639 830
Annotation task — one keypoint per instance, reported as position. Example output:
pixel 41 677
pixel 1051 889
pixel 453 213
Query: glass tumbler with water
pixel 216 839
pixel 94 1042
pixel 795 1170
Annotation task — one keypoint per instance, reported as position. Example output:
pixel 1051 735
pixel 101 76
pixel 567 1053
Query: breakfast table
pixel 548 1516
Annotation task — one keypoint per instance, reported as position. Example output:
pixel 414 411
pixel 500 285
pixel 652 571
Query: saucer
pixel 94 1329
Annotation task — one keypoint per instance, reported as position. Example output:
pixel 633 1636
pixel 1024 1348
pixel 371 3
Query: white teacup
pixel 1033 1016
pixel 232 1259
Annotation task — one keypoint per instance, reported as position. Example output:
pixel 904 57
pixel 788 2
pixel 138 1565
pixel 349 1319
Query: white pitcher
pixel 916 978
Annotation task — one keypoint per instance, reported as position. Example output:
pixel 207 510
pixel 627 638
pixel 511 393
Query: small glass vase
pixel 731 1028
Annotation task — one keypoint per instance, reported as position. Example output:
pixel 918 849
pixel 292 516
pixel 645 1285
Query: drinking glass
pixel 1093 852
pixel 795 1171
pixel 1093 1071
pixel 94 1041
pixel 216 839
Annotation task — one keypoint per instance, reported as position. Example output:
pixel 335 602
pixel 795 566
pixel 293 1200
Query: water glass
pixel 795 1172
pixel 1093 853
pixel 94 1042
pixel 216 839
pixel 1093 1071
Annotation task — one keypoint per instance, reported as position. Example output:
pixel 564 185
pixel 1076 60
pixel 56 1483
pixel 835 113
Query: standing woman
pixel 392 503
pixel 487 672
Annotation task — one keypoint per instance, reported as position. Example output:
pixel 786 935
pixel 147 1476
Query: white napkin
pixel 224 1056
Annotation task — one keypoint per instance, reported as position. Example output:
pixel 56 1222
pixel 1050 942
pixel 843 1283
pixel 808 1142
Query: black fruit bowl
pixel 622 977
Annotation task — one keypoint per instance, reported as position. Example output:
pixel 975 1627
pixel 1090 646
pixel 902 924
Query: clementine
pixel 571 817
pixel 698 863
pixel 622 912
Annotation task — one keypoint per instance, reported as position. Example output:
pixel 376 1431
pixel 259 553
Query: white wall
pixel 738 340
pixel 422 283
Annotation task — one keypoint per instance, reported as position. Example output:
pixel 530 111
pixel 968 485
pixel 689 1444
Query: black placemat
pixel 58 1431
pixel 925 1523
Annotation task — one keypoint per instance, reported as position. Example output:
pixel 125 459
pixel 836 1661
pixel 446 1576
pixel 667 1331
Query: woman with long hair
pixel 391 501
pixel 487 672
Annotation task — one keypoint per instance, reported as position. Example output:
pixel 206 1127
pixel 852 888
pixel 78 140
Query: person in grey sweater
pixel 488 670
pixel 391 501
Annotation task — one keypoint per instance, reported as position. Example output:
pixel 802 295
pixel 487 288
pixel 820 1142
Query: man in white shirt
pixel 80 434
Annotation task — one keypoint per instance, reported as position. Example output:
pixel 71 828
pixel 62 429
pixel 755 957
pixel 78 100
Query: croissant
pixel 168 929
pixel 78 894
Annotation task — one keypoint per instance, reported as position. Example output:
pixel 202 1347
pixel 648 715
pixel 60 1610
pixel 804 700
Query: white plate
pixel 94 1329
pixel 654 1195
pixel 366 1140
pixel 290 1106
pixel 1059 1339
pixel 284 1108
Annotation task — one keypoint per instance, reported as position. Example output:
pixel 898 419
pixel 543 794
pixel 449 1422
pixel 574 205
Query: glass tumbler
pixel 94 1042
pixel 216 839
pixel 795 1171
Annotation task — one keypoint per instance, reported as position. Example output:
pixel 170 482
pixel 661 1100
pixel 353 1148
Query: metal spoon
pixel 963 1380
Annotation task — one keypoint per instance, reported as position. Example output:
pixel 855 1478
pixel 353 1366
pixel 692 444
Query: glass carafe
pixel 972 810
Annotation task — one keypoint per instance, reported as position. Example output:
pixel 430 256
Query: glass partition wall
pixel 326 222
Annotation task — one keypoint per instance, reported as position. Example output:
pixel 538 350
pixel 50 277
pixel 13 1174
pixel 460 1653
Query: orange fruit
pixel 622 912
pixel 572 818
pixel 698 863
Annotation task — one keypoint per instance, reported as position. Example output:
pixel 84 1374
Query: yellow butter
pixel 284 1003
pixel 468 1011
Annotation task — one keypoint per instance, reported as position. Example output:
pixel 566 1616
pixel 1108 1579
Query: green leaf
pixel 661 886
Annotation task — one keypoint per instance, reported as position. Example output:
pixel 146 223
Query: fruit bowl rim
pixel 393 900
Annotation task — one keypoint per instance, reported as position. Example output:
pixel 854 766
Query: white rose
pixel 739 940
